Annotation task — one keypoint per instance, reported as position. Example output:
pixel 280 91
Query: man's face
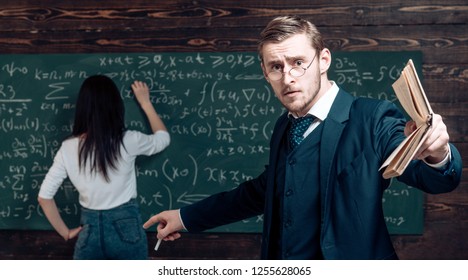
pixel 297 94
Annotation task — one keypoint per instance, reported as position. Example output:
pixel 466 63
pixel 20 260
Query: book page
pixel 418 85
pixel 404 95
pixel 399 151
pixel 405 153
pixel 409 92
pixel 422 106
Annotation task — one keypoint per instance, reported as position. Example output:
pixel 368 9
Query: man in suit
pixel 321 194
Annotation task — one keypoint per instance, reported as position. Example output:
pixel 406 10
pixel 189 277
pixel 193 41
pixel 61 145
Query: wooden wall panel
pixel 438 29
pixel 137 15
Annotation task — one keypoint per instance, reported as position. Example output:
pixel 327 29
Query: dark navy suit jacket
pixel 358 135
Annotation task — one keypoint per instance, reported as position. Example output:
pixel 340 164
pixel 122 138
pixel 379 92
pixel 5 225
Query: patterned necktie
pixel 298 127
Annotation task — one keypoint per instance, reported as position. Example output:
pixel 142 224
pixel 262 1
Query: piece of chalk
pixel 157 245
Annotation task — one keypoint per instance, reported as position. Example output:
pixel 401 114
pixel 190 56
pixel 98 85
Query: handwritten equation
pixel 218 108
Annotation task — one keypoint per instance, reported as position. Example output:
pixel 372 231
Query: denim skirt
pixel 113 234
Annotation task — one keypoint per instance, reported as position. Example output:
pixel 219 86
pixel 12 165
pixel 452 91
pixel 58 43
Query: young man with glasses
pixel 321 194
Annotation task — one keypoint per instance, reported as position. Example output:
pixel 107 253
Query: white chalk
pixel 157 245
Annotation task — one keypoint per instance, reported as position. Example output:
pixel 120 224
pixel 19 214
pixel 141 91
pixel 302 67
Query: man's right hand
pixel 169 225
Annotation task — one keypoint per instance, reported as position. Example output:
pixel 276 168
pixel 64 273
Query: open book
pixel 411 95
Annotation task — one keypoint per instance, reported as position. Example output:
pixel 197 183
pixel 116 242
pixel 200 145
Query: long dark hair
pixel 100 124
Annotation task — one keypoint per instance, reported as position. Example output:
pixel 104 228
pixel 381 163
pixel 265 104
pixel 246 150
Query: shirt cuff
pixel 443 164
pixel 181 221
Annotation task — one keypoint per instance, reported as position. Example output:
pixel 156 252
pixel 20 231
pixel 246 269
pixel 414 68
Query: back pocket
pixel 128 229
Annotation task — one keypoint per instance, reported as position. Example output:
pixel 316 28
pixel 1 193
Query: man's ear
pixel 325 60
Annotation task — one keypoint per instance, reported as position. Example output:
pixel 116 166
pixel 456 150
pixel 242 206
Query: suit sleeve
pixel 431 180
pixel 245 201
pixel 390 128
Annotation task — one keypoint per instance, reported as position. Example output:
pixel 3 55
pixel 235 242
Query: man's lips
pixel 290 92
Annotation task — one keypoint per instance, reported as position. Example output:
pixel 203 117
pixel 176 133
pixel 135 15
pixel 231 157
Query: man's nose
pixel 288 78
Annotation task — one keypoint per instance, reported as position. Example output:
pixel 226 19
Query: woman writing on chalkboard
pixel 99 159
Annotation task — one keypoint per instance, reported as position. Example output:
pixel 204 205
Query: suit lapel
pixel 332 130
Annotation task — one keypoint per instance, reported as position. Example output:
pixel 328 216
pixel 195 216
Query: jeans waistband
pixel 129 208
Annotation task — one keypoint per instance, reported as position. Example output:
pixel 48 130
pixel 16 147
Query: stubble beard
pixel 303 107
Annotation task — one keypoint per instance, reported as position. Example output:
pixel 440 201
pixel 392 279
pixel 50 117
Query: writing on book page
pixel 412 97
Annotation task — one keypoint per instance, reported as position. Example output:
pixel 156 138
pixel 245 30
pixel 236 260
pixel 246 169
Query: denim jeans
pixel 114 234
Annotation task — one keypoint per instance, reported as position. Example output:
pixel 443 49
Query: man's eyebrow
pixel 297 57
pixel 274 62
pixel 288 58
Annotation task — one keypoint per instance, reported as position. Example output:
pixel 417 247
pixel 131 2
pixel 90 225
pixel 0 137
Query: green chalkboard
pixel 218 108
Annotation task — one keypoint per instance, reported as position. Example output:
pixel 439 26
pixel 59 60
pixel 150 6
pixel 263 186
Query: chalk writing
pixel 218 107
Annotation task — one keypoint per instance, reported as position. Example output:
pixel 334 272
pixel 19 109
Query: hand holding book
pixel 410 93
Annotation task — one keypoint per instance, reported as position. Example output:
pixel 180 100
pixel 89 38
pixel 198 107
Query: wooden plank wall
pixel 437 28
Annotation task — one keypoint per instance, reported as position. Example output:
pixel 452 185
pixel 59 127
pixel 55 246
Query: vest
pixel 296 220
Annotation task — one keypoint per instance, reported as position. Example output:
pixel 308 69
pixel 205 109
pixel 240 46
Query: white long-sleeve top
pixel 94 191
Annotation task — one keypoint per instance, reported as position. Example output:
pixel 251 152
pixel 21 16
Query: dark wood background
pixel 437 28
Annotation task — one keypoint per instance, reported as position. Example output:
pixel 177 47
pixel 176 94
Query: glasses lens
pixel 297 71
pixel 275 76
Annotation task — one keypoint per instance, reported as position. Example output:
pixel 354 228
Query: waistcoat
pixel 296 220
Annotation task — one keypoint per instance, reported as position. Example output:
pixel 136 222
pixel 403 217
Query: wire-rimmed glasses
pixel 296 71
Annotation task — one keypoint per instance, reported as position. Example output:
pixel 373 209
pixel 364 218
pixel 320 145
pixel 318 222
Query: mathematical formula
pixel 218 108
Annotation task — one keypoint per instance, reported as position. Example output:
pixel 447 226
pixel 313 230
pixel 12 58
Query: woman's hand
pixel 141 91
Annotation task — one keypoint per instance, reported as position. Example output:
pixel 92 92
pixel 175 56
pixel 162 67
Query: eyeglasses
pixel 296 71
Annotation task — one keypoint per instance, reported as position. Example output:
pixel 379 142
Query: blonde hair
pixel 284 27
